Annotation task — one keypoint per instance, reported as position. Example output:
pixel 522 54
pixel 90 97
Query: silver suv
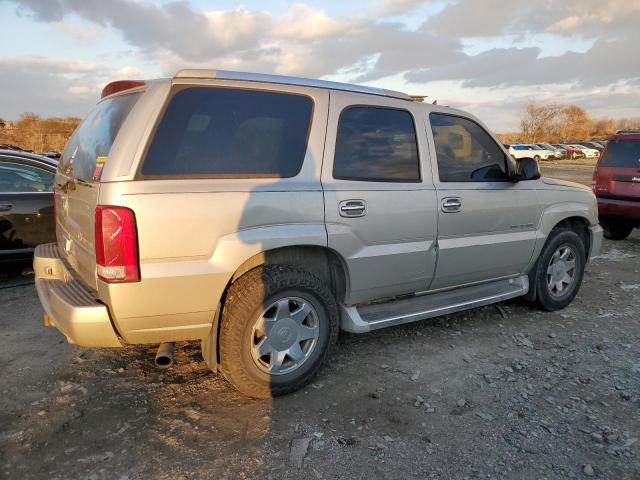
pixel 262 214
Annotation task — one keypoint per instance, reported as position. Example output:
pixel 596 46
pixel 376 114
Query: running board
pixel 369 317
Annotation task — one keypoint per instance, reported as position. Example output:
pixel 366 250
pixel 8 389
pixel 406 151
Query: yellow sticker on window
pixel 100 160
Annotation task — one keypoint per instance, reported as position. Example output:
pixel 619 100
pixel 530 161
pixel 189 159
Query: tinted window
pixel 377 145
pixel 465 152
pixel 622 153
pixel 18 177
pixel 91 142
pixel 231 133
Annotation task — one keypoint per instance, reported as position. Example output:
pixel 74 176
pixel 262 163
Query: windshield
pixel 622 153
pixel 90 144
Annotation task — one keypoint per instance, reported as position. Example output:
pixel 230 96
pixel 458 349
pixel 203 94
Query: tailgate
pixel 618 182
pixel 78 182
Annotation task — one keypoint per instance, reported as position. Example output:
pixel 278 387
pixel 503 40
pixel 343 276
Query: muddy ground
pixel 502 392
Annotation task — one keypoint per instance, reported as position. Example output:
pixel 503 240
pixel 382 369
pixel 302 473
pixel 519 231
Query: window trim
pixel 366 179
pixel 138 175
pixel 507 164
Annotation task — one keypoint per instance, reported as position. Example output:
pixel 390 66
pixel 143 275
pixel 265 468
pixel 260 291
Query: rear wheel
pixel 559 270
pixel 277 327
pixel 616 229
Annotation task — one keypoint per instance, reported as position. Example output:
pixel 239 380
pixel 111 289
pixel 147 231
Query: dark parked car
pixel 26 203
pixel 616 183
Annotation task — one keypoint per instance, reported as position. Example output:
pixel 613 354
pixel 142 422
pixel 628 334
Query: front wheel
pixel 615 229
pixel 559 270
pixel 278 324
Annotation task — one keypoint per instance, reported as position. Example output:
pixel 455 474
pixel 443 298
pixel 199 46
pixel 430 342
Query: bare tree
pixel 537 120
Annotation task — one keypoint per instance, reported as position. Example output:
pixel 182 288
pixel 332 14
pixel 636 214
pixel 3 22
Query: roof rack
pixel 629 130
pixel 281 79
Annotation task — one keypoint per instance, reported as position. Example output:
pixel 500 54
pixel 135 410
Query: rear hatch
pixel 77 183
pixel 618 172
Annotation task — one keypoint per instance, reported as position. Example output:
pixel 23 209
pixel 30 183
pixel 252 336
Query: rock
pixel 120 370
pixel 387 438
pixel 597 437
pixel 552 335
pixel 588 470
pixel 461 403
pixel 485 416
pixel 414 377
pixel 299 447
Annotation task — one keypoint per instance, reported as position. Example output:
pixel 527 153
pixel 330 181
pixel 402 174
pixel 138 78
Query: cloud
pixel 373 44
pixel 50 87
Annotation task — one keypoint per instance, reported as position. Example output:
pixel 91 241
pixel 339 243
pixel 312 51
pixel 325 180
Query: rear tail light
pixel 116 244
pixel 594 179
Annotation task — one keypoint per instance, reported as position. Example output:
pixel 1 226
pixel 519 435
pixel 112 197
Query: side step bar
pixel 364 318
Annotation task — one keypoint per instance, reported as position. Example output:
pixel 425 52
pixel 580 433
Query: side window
pixel 465 152
pixel 227 132
pixel 376 145
pixel 20 178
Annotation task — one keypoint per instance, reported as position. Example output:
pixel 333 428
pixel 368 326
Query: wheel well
pixel 579 225
pixel 323 262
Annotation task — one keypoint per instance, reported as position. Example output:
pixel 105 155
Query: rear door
pixel 618 172
pixel 77 182
pixel 380 202
pixel 26 206
pixel 487 224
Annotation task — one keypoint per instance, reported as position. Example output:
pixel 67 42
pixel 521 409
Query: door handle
pixel 5 207
pixel 451 205
pixel 353 208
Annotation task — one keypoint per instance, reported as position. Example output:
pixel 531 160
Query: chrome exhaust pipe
pixel 164 355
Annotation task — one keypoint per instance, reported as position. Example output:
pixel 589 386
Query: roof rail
pixel 281 79
pixel 628 130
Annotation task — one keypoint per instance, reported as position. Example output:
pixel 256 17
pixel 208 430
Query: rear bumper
pixel 596 240
pixel 623 209
pixel 69 304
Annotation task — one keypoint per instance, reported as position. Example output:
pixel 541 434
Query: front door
pixel 487 224
pixel 380 202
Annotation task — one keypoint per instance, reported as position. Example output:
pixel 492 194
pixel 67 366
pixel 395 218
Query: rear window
pixel 223 132
pixel 376 144
pixel 621 153
pixel 90 144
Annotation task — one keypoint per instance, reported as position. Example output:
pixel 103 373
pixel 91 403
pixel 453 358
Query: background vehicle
pixel 588 152
pixel 526 150
pixel 546 146
pixel 616 183
pixel 26 203
pixel 305 206
pixel 591 145
pixel 572 152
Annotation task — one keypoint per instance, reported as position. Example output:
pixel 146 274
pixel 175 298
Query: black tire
pixel 558 238
pixel 616 229
pixel 246 300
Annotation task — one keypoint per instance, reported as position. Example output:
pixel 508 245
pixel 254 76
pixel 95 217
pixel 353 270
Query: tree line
pixel 32 132
pixel 554 123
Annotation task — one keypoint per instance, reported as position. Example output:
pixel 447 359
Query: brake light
pixel 116 244
pixel 120 86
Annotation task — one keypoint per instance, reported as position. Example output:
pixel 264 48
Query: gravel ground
pixel 497 392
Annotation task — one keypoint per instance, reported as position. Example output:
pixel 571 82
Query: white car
pixel 522 150
pixel 588 152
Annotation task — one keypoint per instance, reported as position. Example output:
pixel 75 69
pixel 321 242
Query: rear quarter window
pixel 621 153
pixel 230 133
pixel 90 144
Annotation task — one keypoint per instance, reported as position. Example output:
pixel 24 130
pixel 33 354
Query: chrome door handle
pixel 5 207
pixel 451 205
pixel 353 208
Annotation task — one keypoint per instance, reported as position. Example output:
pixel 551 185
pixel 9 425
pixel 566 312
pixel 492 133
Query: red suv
pixel 616 183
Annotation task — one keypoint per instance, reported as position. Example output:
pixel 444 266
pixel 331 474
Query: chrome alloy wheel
pixel 561 271
pixel 284 336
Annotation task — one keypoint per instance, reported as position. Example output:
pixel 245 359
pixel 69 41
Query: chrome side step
pixel 364 318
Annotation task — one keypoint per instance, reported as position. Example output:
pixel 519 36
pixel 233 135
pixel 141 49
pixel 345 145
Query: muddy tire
pixel 559 270
pixel 278 325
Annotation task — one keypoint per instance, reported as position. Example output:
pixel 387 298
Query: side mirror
pixel 526 169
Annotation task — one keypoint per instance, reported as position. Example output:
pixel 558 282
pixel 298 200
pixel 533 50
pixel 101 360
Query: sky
pixel 489 57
